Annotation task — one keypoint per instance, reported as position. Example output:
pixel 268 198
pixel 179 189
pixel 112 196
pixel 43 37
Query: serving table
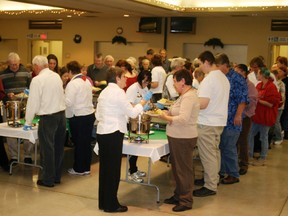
pixel 19 133
pixel 154 150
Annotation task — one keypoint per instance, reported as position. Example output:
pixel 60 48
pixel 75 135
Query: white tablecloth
pixel 155 149
pixel 8 131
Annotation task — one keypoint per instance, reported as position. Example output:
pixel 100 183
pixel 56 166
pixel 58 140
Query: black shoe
pixel 69 144
pixel 13 160
pixel 230 180
pixel 119 209
pixel 199 182
pixel 203 192
pixel 242 171
pixel 221 177
pixel 6 168
pixel 41 183
pixel 180 208
pixel 285 134
pixel 172 201
pixel 93 140
pixel 28 160
pixel 164 159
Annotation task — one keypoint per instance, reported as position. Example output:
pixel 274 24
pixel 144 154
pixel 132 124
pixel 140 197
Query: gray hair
pixel 177 62
pixel 41 61
pixel 13 57
pixel 108 56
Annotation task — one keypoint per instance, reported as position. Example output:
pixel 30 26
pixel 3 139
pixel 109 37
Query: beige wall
pixel 253 32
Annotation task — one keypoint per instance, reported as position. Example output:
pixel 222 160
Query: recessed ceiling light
pixel 126 15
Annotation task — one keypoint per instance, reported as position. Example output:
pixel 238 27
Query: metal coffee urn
pixel 139 128
pixel 13 113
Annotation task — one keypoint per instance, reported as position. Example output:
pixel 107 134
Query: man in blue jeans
pixel 238 98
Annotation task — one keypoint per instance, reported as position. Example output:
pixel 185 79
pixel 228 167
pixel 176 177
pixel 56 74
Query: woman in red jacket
pixel 265 114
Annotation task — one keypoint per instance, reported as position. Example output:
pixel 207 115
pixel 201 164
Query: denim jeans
pixel 277 127
pixel 229 155
pixel 263 130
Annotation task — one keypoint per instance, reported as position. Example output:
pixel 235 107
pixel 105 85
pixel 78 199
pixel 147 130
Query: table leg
pixel 148 178
pixel 26 164
pixel 18 156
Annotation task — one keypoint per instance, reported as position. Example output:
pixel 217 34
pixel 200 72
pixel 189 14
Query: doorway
pixel 278 50
pixel 46 47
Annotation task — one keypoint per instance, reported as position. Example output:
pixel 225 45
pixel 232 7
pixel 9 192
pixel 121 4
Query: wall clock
pixel 119 30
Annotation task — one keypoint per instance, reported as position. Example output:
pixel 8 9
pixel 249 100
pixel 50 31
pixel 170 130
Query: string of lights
pixel 229 5
pixel 38 12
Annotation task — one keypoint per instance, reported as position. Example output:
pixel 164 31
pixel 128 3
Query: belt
pixel 62 111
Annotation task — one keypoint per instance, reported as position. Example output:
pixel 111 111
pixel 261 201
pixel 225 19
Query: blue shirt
pixel 238 94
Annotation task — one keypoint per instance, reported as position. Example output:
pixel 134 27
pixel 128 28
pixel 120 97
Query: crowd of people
pixel 230 113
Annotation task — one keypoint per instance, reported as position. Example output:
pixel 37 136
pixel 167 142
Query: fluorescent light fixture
pixel 17 6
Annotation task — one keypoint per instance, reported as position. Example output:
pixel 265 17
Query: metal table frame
pixel 154 150
pixel 20 134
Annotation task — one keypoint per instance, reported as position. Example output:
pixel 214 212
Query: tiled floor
pixel 262 191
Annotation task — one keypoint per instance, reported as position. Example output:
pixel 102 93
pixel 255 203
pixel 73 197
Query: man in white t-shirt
pixel 158 78
pixel 213 94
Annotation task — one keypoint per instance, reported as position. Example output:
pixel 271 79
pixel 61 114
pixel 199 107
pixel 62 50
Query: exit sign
pixel 42 36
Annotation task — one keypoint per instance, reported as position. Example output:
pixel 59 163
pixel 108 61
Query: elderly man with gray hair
pixel 15 79
pixel 46 99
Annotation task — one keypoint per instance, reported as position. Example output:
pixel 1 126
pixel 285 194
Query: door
pixel 278 50
pixel 44 47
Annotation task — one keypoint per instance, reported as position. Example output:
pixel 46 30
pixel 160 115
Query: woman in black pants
pixel 112 109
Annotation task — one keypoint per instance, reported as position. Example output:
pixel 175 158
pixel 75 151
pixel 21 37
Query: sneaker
pixel 87 172
pixel 140 173
pixel 278 142
pixel 73 172
pixel 203 192
pixel 259 162
pixel 135 178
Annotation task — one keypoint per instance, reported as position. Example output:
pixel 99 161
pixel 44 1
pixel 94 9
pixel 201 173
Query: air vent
pixel 239 15
pixel 45 24
pixel 279 25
